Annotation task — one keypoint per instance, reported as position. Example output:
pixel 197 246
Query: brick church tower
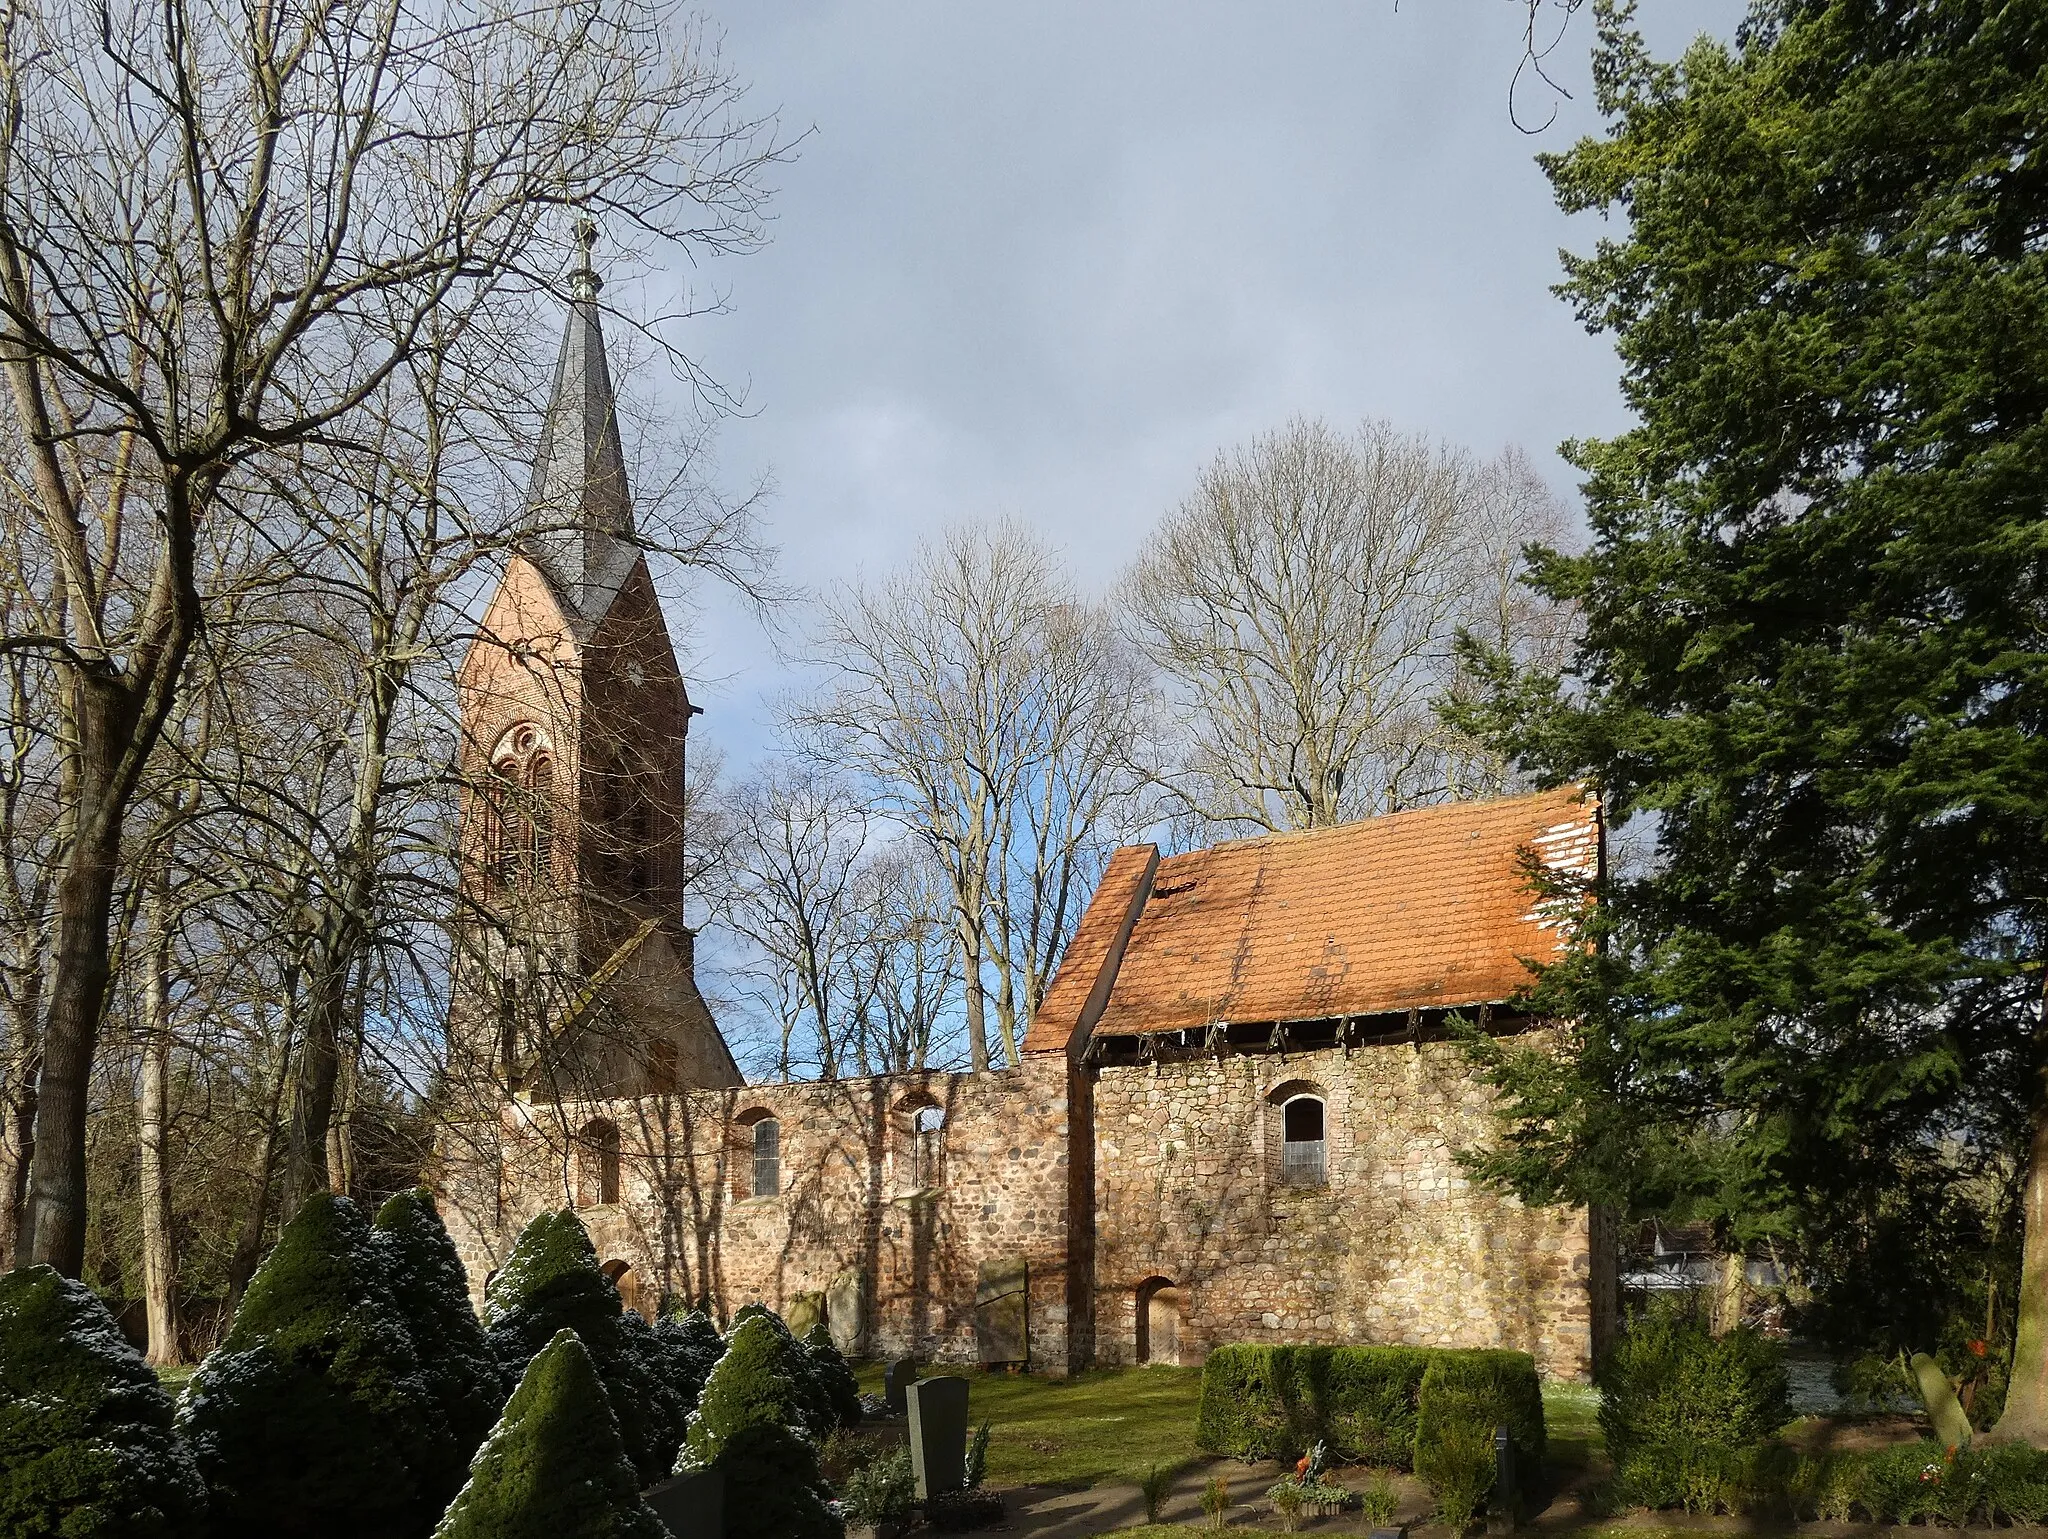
pixel 573 977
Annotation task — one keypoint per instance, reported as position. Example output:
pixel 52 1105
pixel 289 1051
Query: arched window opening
pixel 767 1158
pixel 597 1164
pixel 925 1126
pixel 916 1133
pixel 520 831
pixel 1159 1311
pixel 1303 1148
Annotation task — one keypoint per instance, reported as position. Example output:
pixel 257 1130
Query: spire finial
pixel 584 281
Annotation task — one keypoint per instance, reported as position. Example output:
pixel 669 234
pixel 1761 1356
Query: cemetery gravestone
pixel 896 1384
pixel 844 1309
pixel 804 1311
pixel 938 1435
pixel 1002 1319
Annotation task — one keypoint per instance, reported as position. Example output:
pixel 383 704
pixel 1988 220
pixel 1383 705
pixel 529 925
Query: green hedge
pixel 1373 1404
pixel 1682 1410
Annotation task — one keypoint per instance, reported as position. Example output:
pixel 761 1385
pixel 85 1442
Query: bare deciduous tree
pixel 1303 604
pixel 989 707
pixel 221 232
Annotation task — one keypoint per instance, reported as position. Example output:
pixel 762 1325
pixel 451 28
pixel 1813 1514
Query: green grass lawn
pixel 1109 1425
pixel 1571 1426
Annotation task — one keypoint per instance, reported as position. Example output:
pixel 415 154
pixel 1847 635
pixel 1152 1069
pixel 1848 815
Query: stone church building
pixel 1237 1113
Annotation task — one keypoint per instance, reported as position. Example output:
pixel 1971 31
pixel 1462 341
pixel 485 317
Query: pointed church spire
pixel 577 505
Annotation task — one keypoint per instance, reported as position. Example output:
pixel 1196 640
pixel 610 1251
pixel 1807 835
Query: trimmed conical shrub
pixel 553 1467
pixel 746 1426
pixel 431 1291
pixel 86 1446
pixel 551 1282
pixel 833 1375
pixel 309 1418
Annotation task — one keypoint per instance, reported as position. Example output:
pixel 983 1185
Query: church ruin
pixel 1238 1109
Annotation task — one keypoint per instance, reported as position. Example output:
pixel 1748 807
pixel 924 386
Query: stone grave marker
pixel 1002 1311
pixel 803 1311
pixel 691 1506
pixel 896 1384
pixel 845 1309
pixel 938 1435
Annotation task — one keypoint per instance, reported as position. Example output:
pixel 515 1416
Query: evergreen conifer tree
pixel 1813 667
pixel 747 1426
pixel 308 1419
pixel 427 1283
pixel 836 1378
pixel 553 1467
pixel 86 1445
pixel 551 1281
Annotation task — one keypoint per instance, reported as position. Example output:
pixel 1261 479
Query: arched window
pixel 1303 1146
pixel 916 1129
pixel 627 1281
pixel 521 829
pixel 767 1158
pixel 597 1163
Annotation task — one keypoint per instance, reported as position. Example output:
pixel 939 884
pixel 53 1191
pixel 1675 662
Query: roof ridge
pixel 1468 806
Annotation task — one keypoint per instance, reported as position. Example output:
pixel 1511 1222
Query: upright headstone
pixel 1502 1499
pixel 1002 1313
pixel 803 1311
pixel 938 1435
pixel 691 1506
pixel 896 1384
pixel 845 1309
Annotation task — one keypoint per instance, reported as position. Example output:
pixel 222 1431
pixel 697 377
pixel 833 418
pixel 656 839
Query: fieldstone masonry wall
pixel 687 1224
pixel 1397 1247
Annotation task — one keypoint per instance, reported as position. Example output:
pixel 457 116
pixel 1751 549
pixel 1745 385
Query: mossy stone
pixel 554 1466
pixel 87 1449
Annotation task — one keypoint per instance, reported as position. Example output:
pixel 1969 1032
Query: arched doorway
pixel 1159 1311
pixel 627 1282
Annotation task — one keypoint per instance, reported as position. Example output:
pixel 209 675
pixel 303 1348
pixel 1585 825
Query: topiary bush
pixel 86 1445
pixel 308 1420
pixel 427 1283
pixel 551 1282
pixel 829 1369
pixel 1681 1407
pixel 747 1425
pixel 554 1466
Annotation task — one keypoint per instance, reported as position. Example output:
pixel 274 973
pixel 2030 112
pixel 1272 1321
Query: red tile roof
pixel 1428 909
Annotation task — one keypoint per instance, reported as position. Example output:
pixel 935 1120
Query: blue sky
pixel 1044 261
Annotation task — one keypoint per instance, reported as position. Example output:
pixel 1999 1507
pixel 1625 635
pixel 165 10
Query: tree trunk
pixel 55 1227
pixel 17 1145
pixel 152 1123
pixel 2025 1418
pixel 970 972
pixel 306 1170
pixel 1731 1292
